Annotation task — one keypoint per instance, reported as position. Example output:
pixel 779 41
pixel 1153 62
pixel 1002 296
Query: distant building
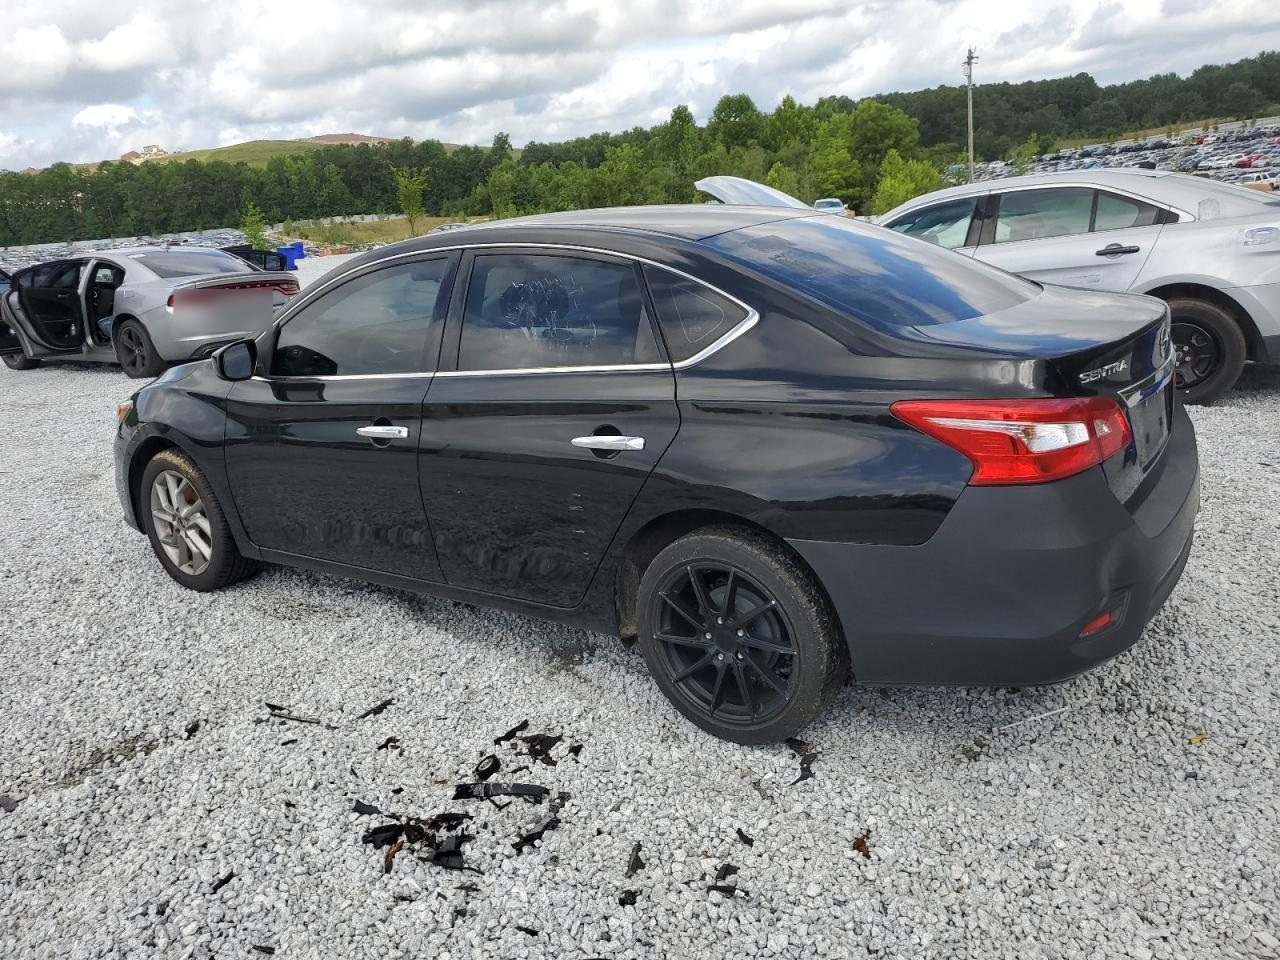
pixel 154 151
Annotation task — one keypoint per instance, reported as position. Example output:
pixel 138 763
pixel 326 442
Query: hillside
pixel 255 153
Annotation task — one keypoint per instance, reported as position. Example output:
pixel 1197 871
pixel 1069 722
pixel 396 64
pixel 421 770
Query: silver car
pixel 129 307
pixel 1210 250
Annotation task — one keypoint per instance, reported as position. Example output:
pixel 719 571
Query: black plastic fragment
pixel 726 870
pixel 397 790
pixel 377 708
pixel 276 708
pixel 549 822
pixel 278 715
pixel 635 864
pixel 482 791
pixel 286 743
pixel 7 803
pixel 366 809
pixel 222 882
pixel 520 727
pixel 487 767
pixel 261 949
pixel 728 889
pixel 384 835
pixel 627 898
pixel 529 930
pixel 447 820
pixel 388 744
pixel 804 750
pixel 574 750
pixel 467 888
pixel 539 746
pixel 290 804
pixel 745 839
pixel 192 729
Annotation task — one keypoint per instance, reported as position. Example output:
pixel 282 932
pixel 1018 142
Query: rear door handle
pixel 379 432
pixel 609 442
pixel 1115 250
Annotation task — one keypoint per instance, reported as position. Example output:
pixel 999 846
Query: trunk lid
pixel 283 285
pixel 1092 344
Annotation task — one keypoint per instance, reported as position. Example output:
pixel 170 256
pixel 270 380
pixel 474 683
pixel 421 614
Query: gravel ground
pixel 162 809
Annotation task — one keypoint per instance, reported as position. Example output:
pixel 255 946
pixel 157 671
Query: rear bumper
pixel 1000 594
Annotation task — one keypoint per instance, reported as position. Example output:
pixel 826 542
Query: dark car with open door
pixel 777 447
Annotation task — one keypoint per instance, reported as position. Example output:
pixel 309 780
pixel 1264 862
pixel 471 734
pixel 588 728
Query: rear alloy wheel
pixel 136 353
pixel 17 361
pixel 186 525
pixel 1209 350
pixel 737 635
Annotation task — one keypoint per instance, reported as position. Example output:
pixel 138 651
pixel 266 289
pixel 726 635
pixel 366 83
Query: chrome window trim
pixel 992 187
pixel 742 326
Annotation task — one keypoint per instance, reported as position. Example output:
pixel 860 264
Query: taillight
pixel 1023 441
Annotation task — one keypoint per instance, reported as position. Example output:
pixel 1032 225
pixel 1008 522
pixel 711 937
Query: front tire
pixel 1210 349
pixel 18 361
pixel 738 636
pixel 186 525
pixel 136 353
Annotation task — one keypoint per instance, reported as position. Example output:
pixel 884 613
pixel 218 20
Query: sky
pixel 83 80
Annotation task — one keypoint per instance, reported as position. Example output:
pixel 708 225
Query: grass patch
pixel 255 153
pixel 374 231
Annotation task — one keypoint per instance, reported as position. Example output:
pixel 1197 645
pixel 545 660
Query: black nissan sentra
pixel 778 447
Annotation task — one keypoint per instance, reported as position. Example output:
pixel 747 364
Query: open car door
pixel 47 304
pixel 9 342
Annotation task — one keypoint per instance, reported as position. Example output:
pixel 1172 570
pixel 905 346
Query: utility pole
pixel 969 61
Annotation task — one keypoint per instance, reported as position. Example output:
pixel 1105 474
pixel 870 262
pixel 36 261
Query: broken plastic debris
pixel 804 750
pixel 366 809
pixel 549 822
pixel 529 930
pixel 487 767
pixel 192 728
pixel 286 743
pixel 261 949
pixel 222 882
pixel 1198 739
pixel 388 744
pixel 520 727
pixel 281 714
pixel 861 846
pixel 574 750
pixel 627 898
pixel 726 870
pixel 635 864
pixel 539 747
pixel 729 890
pixel 745 839
pixel 384 835
pixel 483 791
pixel 275 707
pixel 377 709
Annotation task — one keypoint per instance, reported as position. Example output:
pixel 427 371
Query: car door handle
pixel 380 432
pixel 1115 250
pixel 609 442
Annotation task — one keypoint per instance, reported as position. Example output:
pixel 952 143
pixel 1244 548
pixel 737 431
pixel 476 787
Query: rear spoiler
pixel 262 259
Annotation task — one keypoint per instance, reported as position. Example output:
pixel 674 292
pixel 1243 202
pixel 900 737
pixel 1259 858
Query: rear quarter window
pixel 191 263
pixel 873 274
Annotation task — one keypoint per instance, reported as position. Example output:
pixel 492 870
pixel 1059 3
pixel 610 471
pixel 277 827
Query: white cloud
pixel 80 78
pixel 106 115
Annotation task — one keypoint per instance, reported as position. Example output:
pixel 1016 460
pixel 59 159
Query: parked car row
pixel 744 435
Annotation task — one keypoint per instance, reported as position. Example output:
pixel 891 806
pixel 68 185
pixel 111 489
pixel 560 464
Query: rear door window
pixel 691 315
pixel 944 224
pixel 526 312
pixel 1040 214
pixel 1115 212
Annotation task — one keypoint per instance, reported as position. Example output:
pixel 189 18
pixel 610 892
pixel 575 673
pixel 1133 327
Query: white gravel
pixel 1141 821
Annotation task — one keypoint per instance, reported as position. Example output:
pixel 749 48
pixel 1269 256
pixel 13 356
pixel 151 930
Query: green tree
pixel 254 227
pixel 783 178
pixel 735 121
pixel 410 185
pixel 901 180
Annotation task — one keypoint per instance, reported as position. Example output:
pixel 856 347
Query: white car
pixel 1210 250
pixel 831 205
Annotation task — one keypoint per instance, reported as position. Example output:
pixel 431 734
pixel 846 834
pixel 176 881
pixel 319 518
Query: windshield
pixel 190 263
pixel 877 276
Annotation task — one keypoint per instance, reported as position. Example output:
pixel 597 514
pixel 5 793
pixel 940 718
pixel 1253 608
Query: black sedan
pixel 778 447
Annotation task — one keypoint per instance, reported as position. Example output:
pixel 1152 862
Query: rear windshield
pixel 879 277
pixel 191 263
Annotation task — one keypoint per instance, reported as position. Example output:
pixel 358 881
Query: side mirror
pixel 236 361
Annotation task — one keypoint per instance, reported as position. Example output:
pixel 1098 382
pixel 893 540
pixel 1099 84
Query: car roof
pixel 1100 176
pixel 690 221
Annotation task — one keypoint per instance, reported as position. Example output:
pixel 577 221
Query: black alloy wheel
pixel 1197 354
pixel 725 642
pixel 136 352
pixel 738 635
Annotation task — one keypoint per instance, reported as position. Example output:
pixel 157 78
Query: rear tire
pixel 135 351
pixel 18 361
pixel 1210 349
pixel 186 525
pixel 739 674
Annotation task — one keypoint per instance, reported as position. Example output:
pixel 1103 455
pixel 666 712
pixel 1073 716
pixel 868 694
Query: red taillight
pixel 169 302
pixel 1023 441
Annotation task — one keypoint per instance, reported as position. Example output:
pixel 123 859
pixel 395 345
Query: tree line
pixel 871 153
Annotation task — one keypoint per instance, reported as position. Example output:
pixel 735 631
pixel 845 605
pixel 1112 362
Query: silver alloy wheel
pixel 182 526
